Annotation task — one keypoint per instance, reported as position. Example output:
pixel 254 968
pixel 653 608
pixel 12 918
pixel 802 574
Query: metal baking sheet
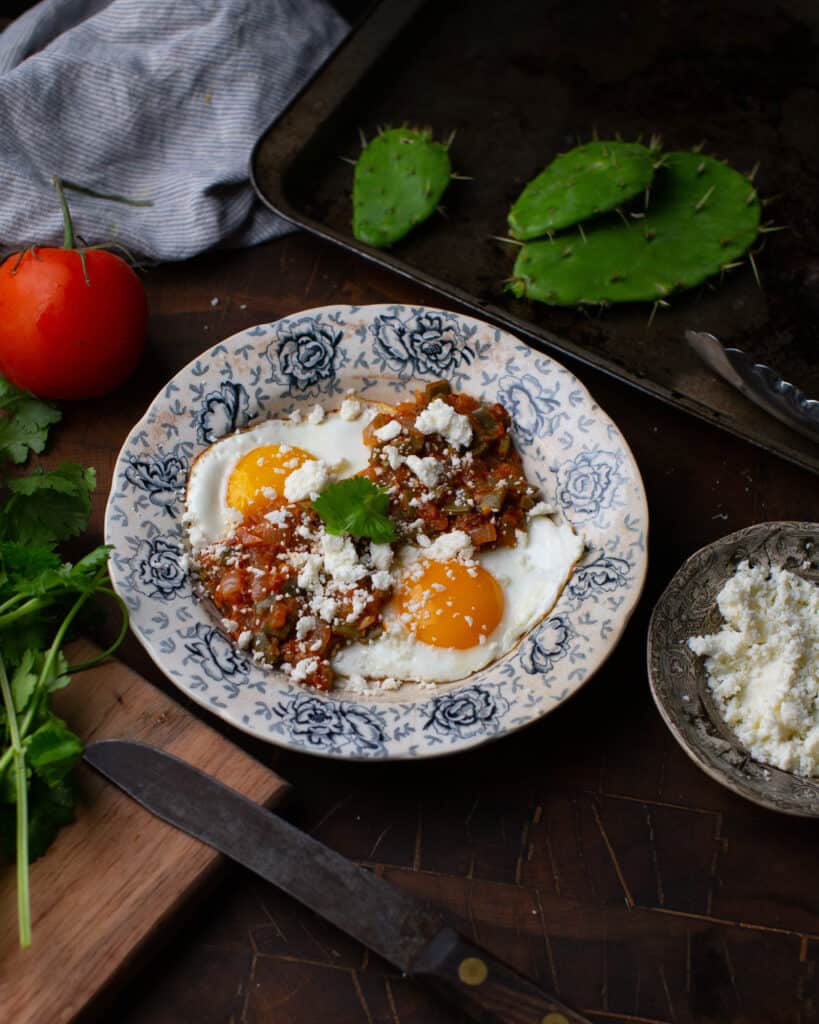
pixel 521 81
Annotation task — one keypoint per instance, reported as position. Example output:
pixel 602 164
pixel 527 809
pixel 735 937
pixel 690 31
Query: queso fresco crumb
pixel 763 665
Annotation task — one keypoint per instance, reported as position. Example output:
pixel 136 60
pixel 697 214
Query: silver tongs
pixel 758 382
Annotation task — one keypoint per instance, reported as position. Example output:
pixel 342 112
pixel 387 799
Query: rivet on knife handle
pixel 484 988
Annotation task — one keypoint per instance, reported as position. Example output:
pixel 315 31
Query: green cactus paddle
pixel 587 180
pixel 399 180
pixel 703 216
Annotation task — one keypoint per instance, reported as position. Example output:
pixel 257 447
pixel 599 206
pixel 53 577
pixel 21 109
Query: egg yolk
pixel 450 604
pixel 268 466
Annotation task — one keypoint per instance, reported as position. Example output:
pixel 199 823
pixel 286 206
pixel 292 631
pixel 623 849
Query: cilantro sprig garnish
pixel 42 597
pixel 356 506
pixel 24 422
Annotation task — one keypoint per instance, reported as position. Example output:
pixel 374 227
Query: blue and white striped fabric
pixel 151 99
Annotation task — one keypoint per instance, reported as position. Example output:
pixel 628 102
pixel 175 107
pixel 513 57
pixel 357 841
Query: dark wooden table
pixel 586 850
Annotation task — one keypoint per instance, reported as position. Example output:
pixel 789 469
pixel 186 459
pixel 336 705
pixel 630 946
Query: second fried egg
pixel 450 618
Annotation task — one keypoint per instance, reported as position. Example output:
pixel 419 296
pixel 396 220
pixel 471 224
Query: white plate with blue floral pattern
pixel 570 448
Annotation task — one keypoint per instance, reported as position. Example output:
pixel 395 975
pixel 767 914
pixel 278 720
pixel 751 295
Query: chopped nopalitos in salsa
pixel 291 592
pixel 448 463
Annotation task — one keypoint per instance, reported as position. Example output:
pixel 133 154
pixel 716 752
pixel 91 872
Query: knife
pixel 403 930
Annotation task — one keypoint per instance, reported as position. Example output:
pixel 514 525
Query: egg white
pixel 336 441
pixel 531 575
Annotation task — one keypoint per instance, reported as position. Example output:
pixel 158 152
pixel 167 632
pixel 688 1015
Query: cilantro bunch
pixel 41 599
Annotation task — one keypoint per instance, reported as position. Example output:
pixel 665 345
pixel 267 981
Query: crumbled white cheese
pixel 316 415
pixel 542 508
pixel 359 685
pixel 381 555
pixel 451 545
pixel 440 418
pixel 309 575
pixel 350 409
pixel 361 599
pixel 306 624
pixel 428 470
pixel 245 640
pixel 326 608
pixel 278 516
pixel 341 559
pixel 295 416
pixel 228 625
pixel 393 456
pixel 306 481
pixel 389 431
pixel 763 665
pixel 382 580
pixel 303 669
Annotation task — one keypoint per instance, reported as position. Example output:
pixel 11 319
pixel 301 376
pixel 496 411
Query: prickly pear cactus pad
pixel 399 180
pixel 703 216
pixel 587 180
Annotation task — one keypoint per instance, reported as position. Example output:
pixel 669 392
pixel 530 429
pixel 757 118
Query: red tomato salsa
pixel 483 489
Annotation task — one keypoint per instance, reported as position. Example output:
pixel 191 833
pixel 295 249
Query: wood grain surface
pixel 117 875
pixel 587 851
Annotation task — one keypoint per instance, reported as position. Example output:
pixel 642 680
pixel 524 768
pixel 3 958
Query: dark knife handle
pixel 484 988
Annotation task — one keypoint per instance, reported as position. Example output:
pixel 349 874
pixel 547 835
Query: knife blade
pixel 405 931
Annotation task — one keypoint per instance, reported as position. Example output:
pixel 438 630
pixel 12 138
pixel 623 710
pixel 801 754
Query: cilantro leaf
pixel 84 571
pixel 24 562
pixel 50 807
pixel 356 506
pixel 29 518
pixel 24 422
pixel 53 750
pixel 30 633
pixel 24 682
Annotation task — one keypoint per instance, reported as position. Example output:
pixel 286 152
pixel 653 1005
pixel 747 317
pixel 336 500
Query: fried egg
pixel 234 473
pixel 449 618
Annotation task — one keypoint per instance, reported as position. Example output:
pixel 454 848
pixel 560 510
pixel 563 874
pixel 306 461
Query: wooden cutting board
pixel 117 874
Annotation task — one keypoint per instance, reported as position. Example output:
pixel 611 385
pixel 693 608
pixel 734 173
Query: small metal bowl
pixel 677 676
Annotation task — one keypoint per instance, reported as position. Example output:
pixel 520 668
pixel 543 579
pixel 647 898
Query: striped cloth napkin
pixel 150 99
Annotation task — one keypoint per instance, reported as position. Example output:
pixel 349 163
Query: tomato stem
pixel 68 224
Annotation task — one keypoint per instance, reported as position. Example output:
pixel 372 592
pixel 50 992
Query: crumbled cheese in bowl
pixel 763 665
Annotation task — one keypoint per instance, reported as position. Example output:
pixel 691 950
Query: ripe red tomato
pixel 62 336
